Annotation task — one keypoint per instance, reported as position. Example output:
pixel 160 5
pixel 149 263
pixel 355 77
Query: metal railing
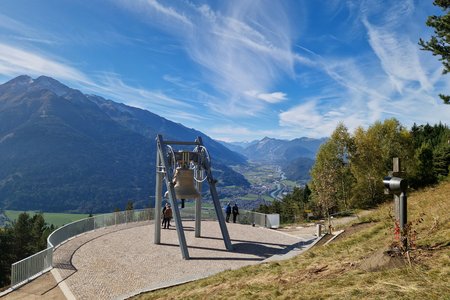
pixel 244 217
pixel 28 268
pixel 259 219
pixel 31 267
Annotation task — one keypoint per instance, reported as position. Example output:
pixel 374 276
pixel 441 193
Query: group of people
pixel 229 210
pixel 167 214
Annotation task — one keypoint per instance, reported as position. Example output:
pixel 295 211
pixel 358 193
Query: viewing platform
pixel 120 261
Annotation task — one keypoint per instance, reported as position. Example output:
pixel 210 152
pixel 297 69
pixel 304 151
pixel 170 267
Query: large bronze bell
pixel 184 184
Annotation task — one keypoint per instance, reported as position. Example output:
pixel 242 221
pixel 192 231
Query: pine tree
pixel 6 255
pixel 439 44
pixel 22 236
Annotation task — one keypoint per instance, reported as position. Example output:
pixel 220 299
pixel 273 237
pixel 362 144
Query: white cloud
pixel 274 97
pixel 15 61
pixel 170 12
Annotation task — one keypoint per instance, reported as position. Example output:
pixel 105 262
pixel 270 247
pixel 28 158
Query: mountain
pixel 280 151
pixel 296 157
pixel 298 169
pixel 238 147
pixel 62 150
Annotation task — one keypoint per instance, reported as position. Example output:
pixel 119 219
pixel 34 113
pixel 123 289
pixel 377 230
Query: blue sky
pixel 236 70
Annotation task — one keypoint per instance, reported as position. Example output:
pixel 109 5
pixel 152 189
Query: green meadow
pixel 57 219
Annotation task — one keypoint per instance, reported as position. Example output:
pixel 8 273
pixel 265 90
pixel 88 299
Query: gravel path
pixel 121 261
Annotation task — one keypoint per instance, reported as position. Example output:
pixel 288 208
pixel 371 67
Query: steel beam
pixel 198 208
pixel 181 143
pixel 172 197
pixel 217 207
pixel 158 199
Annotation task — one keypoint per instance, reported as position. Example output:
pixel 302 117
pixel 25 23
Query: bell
pixel 184 184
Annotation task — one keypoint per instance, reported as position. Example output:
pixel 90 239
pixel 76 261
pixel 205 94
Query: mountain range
pixel 296 157
pixel 62 150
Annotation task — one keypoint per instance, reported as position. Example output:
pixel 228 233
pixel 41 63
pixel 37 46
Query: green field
pixel 57 219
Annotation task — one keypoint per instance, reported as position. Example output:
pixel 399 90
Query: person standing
pixel 167 217
pixel 235 212
pixel 162 216
pixel 228 212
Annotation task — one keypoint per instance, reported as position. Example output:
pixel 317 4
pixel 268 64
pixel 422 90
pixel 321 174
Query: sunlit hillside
pixel 354 266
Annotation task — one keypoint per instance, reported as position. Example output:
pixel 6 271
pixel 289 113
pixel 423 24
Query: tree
pixel 441 161
pixel 371 159
pixel 26 236
pixel 439 44
pixel 291 208
pixel 424 173
pixel 6 255
pixel 432 154
pixel 22 236
pixel 38 226
pixel 331 176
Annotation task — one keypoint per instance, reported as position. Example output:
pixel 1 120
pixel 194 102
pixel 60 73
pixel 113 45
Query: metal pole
pixel 403 219
pixel 172 197
pixel 198 208
pixel 215 197
pixel 158 199
pixel 397 207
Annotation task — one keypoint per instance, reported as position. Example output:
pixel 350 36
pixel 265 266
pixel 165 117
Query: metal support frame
pixel 215 197
pixel 163 171
pixel 398 187
pixel 158 198
pixel 403 219
pixel 198 208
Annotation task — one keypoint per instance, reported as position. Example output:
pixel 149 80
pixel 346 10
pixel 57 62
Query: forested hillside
pixel 62 150
pixel 349 170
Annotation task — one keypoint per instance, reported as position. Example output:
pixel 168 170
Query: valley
pixel 267 183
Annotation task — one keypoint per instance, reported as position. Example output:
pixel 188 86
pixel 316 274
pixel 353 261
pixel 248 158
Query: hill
pixel 298 169
pixel 353 266
pixel 62 150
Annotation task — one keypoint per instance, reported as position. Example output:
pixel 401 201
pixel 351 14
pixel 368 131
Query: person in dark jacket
pixel 228 212
pixel 162 216
pixel 235 212
pixel 167 217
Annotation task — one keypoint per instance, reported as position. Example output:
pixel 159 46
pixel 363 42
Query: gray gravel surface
pixel 121 261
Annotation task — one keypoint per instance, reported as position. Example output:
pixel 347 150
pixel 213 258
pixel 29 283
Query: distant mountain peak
pixel 48 83
pixel 21 80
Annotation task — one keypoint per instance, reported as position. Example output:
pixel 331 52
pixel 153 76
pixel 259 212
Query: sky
pixel 237 70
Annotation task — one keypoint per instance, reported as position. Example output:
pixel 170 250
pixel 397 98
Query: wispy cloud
pixel 169 12
pixel 16 61
pixel 398 57
pixel 274 97
pixel 246 46
pixel 20 31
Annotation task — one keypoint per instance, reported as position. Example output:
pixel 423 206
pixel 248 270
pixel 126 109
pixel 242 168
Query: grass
pixel 336 271
pixel 57 219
